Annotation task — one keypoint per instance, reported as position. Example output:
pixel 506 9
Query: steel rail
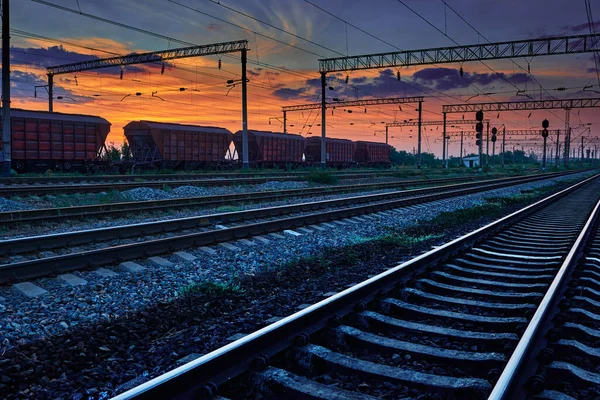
pixel 166 177
pixel 90 258
pixel 201 377
pixel 513 376
pixel 48 242
pixel 105 187
pixel 96 210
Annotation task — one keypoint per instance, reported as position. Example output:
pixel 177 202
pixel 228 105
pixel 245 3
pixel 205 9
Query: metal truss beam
pixel 163 55
pixel 424 123
pixel 522 105
pixel 356 103
pixel 474 52
pixel 516 132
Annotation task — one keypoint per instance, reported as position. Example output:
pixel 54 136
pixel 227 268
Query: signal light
pixel 479 127
pixel 478 142
pixel 545 124
pixel 494 131
pixel 478 135
pixel 545 133
pixel 494 139
pixel 479 115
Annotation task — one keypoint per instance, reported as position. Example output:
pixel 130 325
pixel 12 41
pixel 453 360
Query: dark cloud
pixel 449 78
pixel 23 85
pixel 253 73
pixel 362 79
pixel 580 28
pixel 57 55
pixel 289 94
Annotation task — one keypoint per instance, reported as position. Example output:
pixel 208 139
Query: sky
pixel 286 39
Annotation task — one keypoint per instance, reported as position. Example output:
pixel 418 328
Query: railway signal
pixel 545 125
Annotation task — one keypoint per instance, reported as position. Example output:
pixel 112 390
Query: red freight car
pixel 177 146
pixel 271 148
pixel 340 152
pixel 44 140
pixel 372 153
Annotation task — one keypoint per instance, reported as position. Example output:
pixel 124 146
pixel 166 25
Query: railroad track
pixel 440 326
pixel 40 187
pixel 167 177
pixel 129 208
pixel 29 257
pixel 559 356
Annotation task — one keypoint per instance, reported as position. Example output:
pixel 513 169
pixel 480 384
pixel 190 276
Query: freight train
pixel 71 142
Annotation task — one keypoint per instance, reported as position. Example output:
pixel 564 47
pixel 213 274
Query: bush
pixel 323 177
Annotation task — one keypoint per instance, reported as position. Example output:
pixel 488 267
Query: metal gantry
pixel 161 56
pixel 529 105
pixel 349 103
pixel 428 123
pixel 475 52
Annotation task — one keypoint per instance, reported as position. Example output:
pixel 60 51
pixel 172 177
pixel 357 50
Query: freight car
pixel 270 149
pixel 371 154
pixel 339 152
pixel 44 140
pixel 177 146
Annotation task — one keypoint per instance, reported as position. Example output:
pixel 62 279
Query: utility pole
pixel 50 92
pixel 503 145
pixel 487 145
pixel 323 121
pixel 557 148
pixel 582 149
pixel 6 133
pixel 285 122
pixel 419 141
pixel 245 163
pixel 461 146
pixel 444 165
pixel 386 134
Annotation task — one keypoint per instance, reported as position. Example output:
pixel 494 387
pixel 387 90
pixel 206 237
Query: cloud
pixel 252 73
pixel 579 28
pixel 23 85
pixel 57 55
pixel 289 94
pixel 449 78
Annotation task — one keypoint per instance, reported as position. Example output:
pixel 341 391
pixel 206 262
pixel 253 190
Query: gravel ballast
pixel 89 339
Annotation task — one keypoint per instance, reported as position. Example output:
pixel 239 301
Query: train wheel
pixel 20 166
pixel 67 165
pixel 57 166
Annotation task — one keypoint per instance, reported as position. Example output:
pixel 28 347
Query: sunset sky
pixel 283 62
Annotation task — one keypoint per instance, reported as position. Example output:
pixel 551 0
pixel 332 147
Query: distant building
pixel 471 162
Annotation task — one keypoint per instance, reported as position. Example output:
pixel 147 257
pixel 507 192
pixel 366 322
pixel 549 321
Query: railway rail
pixel 170 177
pixel 181 233
pixel 442 325
pixel 43 187
pixel 104 210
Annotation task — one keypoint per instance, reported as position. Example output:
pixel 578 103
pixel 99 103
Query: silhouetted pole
pixel 419 141
pixel 323 122
pixel 503 145
pixel 461 146
pixel 50 92
pixel 6 134
pixel 487 145
pixel 444 165
pixel 285 122
pixel 557 161
pixel 245 164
